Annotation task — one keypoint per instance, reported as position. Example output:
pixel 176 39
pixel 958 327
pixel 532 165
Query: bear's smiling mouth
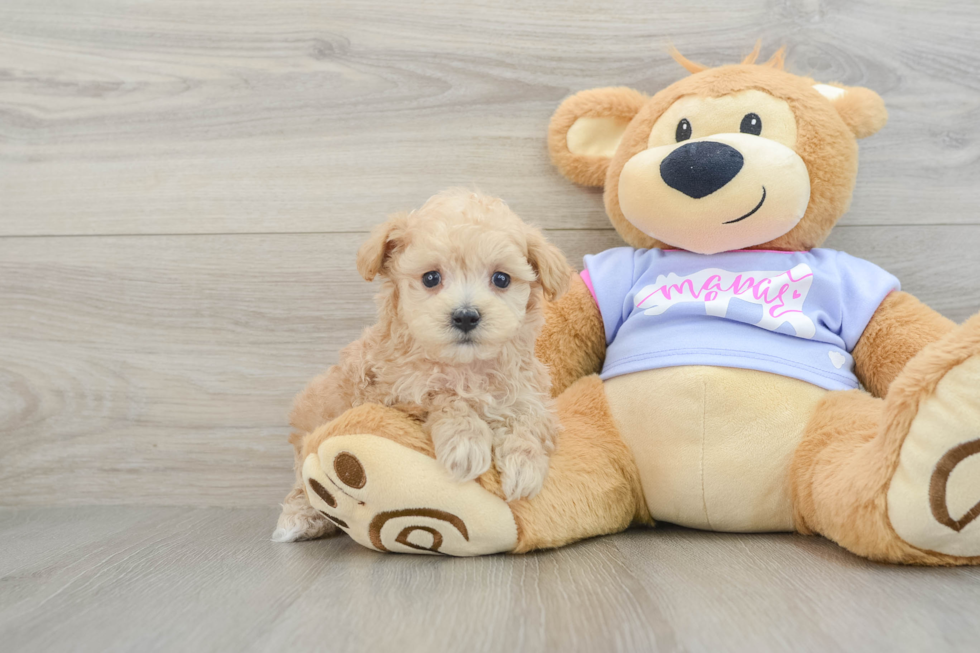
pixel 757 207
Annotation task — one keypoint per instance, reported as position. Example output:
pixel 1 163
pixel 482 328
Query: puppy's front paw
pixel 523 467
pixel 465 456
pixel 463 448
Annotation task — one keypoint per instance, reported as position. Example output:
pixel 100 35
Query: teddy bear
pixel 721 371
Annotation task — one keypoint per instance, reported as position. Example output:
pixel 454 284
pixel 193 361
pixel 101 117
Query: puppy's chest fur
pixel 403 378
pixel 418 389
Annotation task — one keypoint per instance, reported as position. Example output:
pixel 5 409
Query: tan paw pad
pixel 934 496
pixel 390 498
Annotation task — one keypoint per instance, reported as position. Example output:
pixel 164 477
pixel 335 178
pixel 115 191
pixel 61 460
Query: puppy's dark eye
pixel 751 124
pixel 500 279
pixel 431 279
pixel 683 130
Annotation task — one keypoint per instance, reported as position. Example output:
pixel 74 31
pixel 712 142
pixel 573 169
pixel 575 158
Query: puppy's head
pixel 465 275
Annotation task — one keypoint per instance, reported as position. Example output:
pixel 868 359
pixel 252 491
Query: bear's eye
pixel 431 279
pixel 683 130
pixel 751 124
pixel 500 279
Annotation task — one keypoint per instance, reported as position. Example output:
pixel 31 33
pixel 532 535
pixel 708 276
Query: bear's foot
pixel 934 495
pixel 389 497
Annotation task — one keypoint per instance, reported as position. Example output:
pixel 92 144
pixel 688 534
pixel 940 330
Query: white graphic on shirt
pixel 781 295
pixel 837 359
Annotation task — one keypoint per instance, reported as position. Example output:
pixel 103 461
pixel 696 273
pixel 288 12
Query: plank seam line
pixel 367 231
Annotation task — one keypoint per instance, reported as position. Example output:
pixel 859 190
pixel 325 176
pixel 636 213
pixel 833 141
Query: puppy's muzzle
pixel 465 319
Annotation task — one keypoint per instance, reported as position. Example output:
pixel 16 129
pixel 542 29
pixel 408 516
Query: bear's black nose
pixel 699 169
pixel 466 319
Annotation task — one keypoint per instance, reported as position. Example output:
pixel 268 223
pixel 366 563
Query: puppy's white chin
pixel 467 352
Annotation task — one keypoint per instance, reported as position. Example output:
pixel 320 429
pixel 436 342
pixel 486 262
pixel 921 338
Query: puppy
pixel 459 311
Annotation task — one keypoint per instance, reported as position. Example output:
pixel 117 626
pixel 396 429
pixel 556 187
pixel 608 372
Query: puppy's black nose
pixel 699 169
pixel 466 319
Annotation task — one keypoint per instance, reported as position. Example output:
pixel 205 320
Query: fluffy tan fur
pixel 573 340
pixel 899 330
pixel 862 110
pixel 299 520
pixel 826 134
pixel 850 452
pixel 618 102
pixel 483 396
pixel 842 469
pixel 593 487
pixel 390 423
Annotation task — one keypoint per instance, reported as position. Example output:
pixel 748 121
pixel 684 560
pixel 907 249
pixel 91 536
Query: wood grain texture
pixel 172 579
pixel 299 116
pixel 183 186
pixel 159 369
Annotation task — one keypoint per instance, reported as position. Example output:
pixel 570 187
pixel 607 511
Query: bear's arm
pixel 899 329
pixel 572 342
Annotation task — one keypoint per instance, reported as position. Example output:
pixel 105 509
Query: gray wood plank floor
pixel 183 186
pixel 208 579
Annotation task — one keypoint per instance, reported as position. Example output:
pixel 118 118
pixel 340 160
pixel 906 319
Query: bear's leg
pixel 593 485
pixel 898 479
pixel 373 472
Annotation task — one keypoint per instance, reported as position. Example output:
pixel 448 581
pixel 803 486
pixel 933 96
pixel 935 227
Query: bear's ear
pixel 586 129
pixel 862 110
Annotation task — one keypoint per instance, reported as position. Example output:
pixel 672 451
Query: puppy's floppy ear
pixel 374 254
pixel 586 129
pixel 862 110
pixel 549 263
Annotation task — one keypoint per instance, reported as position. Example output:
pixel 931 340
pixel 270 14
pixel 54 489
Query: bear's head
pixel 745 156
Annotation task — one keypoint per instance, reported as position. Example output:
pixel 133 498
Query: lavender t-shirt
pixel 798 314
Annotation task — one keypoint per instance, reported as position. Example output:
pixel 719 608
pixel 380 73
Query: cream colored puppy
pixel 459 311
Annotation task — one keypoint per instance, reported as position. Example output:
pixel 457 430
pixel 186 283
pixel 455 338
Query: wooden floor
pixel 208 579
pixel 183 185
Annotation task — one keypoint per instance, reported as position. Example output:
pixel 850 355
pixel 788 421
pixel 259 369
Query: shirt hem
pixel 761 363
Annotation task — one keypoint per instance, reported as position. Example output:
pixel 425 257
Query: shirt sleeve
pixel 864 286
pixel 611 276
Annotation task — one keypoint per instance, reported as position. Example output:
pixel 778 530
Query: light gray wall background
pixel 183 186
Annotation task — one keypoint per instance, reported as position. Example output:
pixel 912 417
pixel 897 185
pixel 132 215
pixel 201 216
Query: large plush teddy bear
pixel 708 374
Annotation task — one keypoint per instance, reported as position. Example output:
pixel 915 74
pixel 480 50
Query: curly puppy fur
pixel 482 395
